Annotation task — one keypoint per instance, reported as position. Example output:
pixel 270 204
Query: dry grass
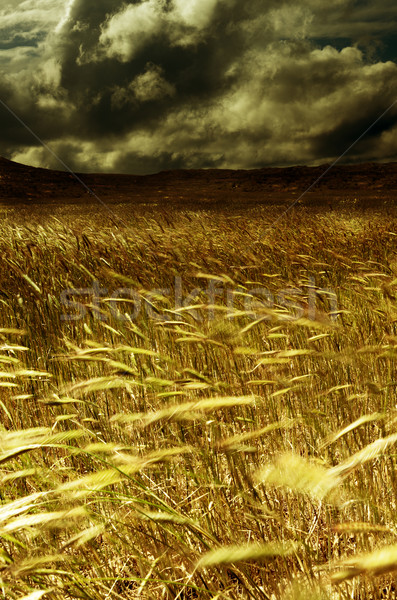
pixel 195 452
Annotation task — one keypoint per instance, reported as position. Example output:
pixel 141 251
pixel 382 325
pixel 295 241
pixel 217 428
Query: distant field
pixel 198 403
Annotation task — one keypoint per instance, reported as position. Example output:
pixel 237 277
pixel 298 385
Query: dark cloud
pixel 141 86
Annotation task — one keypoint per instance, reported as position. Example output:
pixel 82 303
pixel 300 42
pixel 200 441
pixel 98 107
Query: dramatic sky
pixel 138 86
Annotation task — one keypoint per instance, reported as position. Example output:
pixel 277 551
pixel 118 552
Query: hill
pixel 370 182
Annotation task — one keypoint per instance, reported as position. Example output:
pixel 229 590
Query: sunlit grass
pixel 224 426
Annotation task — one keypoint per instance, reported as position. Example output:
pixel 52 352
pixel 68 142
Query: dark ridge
pixel 30 184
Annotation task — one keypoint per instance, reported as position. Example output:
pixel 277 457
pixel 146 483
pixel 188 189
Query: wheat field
pixel 198 405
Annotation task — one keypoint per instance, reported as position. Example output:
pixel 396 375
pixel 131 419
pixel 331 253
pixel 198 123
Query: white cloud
pixel 262 120
pixel 194 13
pixel 149 86
pixel 126 32
pixel 291 116
pixel 290 21
pixel 31 16
pixel 66 16
pixel 257 91
pixel 388 144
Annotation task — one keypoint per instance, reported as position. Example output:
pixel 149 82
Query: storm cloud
pixel 142 86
